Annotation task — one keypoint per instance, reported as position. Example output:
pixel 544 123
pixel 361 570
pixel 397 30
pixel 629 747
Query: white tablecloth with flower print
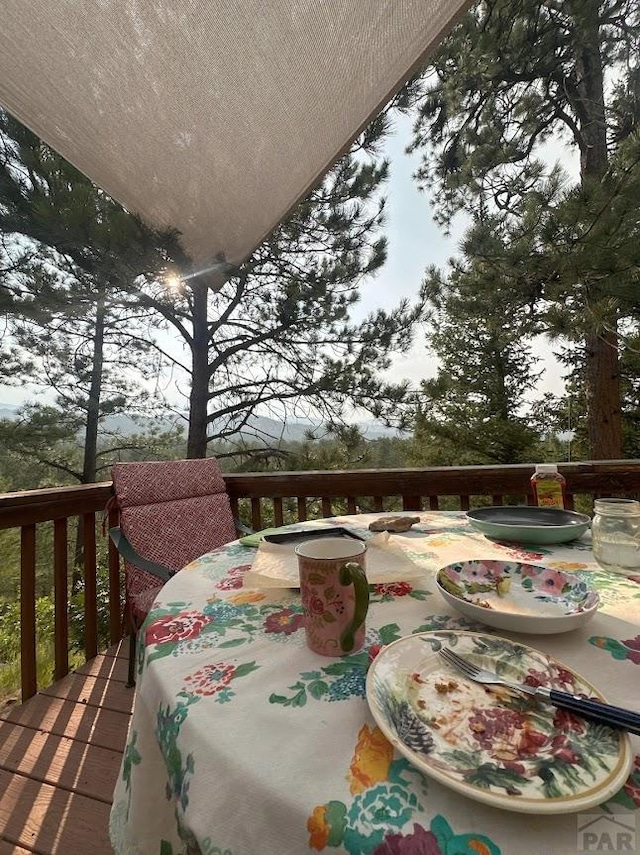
pixel 244 742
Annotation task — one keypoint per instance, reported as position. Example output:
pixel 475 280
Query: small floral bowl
pixel 518 597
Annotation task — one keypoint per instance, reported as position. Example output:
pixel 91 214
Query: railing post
pixel 60 599
pixel 28 670
pixel 411 503
pixel 90 588
pixel 256 514
pixel 115 616
pixel 278 516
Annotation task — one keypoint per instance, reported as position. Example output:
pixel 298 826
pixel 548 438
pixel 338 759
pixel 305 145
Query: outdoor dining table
pixel 245 742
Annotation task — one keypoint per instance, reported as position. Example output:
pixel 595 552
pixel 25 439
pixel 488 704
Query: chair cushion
pixel 161 481
pixel 177 532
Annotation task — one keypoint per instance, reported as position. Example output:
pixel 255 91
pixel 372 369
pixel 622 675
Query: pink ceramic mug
pixel 335 594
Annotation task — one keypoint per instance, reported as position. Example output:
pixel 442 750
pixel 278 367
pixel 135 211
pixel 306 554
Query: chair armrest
pixel 129 554
pixel 241 528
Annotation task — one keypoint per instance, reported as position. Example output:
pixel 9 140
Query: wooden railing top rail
pixel 33 506
pixel 600 477
pixel 588 477
pixel 101 490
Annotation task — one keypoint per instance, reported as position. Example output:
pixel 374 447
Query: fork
pixel 591 708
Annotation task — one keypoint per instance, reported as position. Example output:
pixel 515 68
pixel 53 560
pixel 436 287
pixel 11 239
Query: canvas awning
pixel 211 116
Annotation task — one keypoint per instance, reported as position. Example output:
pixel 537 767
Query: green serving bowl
pixel 525 524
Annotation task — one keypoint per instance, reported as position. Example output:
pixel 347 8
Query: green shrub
pixel 76 612
pixel 10 632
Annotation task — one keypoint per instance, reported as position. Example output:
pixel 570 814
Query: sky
pixel 414 243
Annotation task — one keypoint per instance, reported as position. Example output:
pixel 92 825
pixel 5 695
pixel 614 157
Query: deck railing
pixel 271 498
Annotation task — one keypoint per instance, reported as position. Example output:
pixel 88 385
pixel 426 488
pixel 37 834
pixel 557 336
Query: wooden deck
pixel 60 754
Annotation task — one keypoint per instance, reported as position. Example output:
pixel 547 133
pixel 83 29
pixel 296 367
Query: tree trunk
pixel 603 397
pixel 95 391
pixel 91 430
pixel 199 396
pixel 602 370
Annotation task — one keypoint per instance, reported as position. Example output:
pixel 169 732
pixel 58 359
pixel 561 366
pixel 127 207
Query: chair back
pixel 171 512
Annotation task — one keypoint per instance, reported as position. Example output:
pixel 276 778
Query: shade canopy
pixel 213 117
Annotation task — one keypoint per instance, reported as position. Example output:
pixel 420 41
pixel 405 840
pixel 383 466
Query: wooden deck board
pixel 93 691
pixel 107 667
pixel 60 755
pixel 10 849
pixel 49 819
pixel 59 761
pixel 119 651
pixel 107 728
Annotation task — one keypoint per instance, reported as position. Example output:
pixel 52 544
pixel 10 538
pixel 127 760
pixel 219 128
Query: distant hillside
pixel 297 431
pixel 258 426
pixel 124 425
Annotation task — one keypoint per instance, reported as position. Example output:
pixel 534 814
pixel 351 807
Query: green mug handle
pixel 353 574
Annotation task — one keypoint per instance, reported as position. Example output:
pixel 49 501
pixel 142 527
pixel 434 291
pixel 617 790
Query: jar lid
pixel 547 468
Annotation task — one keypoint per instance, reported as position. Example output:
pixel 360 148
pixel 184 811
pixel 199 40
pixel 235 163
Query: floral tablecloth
pixel 244 742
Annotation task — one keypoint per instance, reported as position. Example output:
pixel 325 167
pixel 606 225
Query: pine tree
pixel 70 255
pixel 512 76
pixel 277 332
pixel 480 328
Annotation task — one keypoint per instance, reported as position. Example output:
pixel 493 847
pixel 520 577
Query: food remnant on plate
pixel 482 603
pixel 445 688
pixel 504 693
pixel 503 584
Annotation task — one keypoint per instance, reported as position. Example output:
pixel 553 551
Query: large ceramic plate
pixel 526 524
pixel 518 597
pixel 499 748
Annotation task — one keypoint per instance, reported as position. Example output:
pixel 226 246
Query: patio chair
pixel 171 512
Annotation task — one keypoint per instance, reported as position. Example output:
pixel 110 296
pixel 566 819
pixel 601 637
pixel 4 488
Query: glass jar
pixel 615 535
